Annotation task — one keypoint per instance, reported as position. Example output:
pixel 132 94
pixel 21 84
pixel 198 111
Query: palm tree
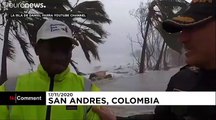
pixel 87 30
pixel 13 30
pixel 159 10
pixel 168 9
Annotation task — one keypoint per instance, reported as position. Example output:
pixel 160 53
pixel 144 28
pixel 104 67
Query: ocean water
pixel 149 81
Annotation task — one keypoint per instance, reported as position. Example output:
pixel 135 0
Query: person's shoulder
pixel 185 79
pixel 85 81
pixel 186 72
pixel 74 76
pixel 26 75
pixel 193 69
pixel 23 80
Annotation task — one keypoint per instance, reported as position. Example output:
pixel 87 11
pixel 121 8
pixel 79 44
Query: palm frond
pixel 25 48
pixel 88 47
pixel 95 28
pixel 92 37
pixel 10 50
pixel 32 27
pixel 54 6
pixel 88 31
pixel 167 9
pixel 93 6
pixel 94 11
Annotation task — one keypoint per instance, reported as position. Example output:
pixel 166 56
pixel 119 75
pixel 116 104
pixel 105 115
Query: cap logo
pixel 184 19
pixel 201 1
pixel 57 27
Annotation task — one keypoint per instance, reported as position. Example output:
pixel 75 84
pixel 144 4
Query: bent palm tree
pixel 167 9
pixel 159 10
pixel 88 31
pixel 13 30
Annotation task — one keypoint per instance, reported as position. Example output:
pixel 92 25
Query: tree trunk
pixel 3 76
pixel 142 61
pixel 157 66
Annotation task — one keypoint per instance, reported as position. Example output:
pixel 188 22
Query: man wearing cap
pixel 198 35
pixel 54 45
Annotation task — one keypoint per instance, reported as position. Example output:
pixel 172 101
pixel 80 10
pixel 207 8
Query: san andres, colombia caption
pixel 104 101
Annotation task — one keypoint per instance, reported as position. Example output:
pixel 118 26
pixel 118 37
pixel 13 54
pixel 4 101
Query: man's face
pixel 200 45
pixel 54 54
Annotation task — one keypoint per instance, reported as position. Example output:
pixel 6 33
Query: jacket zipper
pixel 48 112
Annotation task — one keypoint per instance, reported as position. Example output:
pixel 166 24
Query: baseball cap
pixel 54 29
pixel 198 12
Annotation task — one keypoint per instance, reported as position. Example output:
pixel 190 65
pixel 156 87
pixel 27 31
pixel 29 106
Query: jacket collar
pixel 58 77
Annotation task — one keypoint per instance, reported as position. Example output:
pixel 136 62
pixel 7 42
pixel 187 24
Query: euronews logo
pixel 25 5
